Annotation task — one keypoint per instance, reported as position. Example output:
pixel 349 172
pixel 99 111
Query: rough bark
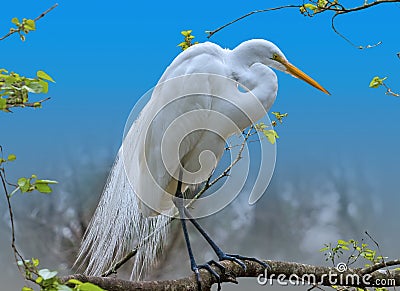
pixel 279 271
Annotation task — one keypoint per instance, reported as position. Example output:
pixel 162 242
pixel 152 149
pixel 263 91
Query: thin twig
pixel 337 8
pixel 389 91
pixel 225 173
pixel 347 39
pixel 11 32
pixel 17 255
pixel 378 266
pixel 31 104
pixel 211 33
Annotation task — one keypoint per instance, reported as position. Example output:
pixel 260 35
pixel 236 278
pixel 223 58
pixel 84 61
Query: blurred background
pixel 337 166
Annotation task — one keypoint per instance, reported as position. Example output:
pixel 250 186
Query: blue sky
pixel 104 57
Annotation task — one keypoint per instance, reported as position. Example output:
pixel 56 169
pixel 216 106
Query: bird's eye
pixel 275 56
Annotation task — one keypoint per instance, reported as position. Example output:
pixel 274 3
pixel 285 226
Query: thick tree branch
pixel 285 272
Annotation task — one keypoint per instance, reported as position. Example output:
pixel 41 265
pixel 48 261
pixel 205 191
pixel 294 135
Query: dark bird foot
pixel 227 276
pixel 239 260
pixel 207 266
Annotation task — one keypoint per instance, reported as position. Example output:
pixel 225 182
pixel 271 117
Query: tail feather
pixel 118 226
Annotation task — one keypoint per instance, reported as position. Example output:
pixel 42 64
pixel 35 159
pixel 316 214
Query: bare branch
pixel 337 8
pixel 11 32
pixel 17 255
pixel 389 91
pixel 211 33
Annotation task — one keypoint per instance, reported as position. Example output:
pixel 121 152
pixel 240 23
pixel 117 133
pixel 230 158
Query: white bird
pixel 194 108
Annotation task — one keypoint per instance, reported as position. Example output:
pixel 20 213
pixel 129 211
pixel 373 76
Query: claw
pixel 265 265
pixel 207 266
pixel 234 259
pixel 218 265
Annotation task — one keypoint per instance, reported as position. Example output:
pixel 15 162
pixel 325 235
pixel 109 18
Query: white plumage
pixel 194 108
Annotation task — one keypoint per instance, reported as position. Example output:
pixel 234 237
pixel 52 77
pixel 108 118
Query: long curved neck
pixel 248 53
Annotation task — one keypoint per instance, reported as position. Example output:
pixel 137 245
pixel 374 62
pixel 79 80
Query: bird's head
pixel 270 55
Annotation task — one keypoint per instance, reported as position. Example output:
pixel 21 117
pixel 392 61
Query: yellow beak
pixel 297 73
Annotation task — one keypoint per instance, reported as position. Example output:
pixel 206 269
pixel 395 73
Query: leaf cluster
pixel 271 134
pixel 314 7
pixel 23 27
pixel 15 89
pixel 48 280
pixel 33 183
pixel 188 40
pixel 377 82
pixel 27 184
pixel 353 250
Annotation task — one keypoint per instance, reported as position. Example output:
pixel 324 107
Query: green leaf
pixel 44 76
pixel 46 274
pixel 376 82
pixel 46 182
pixel 26 289
pixel 11 158
pixel 271 135
pixel 186 32
pixel 45 86
pixel 74 281
pixel 342 242
pixel 63 288
pixel 89 287
pixel 43 188
pixel 324 249
pixel 29 24
pixel 35 262
pixel 34 87
pixel 312 7
pixel 23 184
pixel 15 20
pixel 3 103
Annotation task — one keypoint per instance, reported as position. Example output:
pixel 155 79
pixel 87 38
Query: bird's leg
pixel 222 255
pixel 178 201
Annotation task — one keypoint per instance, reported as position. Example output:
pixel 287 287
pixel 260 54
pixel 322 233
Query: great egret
pixel 159 164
